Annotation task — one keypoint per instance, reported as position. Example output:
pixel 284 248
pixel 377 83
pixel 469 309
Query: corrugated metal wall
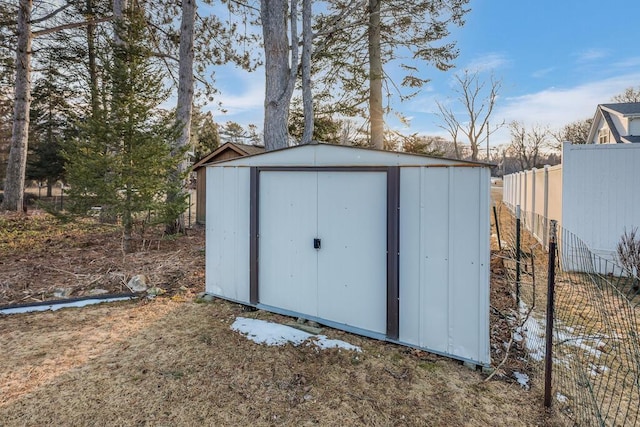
pixel 444 231
pixel 227 233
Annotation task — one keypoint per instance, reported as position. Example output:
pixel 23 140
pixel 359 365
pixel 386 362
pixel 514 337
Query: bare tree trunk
pixel 91 53
pixel 279 76
pixel 184 107
pixel 17 164
pixel 307 96
pixel 119 6
pixel 375 77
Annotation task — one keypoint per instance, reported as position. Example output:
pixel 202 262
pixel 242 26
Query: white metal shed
pixel 388 245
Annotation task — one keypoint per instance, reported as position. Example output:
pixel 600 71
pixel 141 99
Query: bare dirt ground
pixel 172 361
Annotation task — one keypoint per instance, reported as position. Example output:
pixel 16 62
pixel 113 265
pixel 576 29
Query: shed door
pixel 345 280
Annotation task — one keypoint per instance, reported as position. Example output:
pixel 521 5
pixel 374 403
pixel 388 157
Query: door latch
pixel 316 243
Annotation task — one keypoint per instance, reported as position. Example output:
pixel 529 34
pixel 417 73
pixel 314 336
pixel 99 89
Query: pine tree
pixel 123 161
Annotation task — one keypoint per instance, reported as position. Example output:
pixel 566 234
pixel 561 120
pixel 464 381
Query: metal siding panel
pixel 465 295
pixel 435 258
pixel 227 222
pixel 336 155
pixel 331 155
pixel 227 233
pixel 352 225
pixel 288 224
pixel 484 255
pixel 241 235
pixel 213 254
pixel 410 199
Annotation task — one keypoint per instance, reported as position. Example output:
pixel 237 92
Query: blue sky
pixel 557 61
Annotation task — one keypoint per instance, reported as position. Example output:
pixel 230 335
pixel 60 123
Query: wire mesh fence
pixel 595 358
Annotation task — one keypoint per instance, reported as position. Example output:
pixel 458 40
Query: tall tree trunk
pixel 119 7
pixel 307 96
pixel 17 164
pixel 91 52
pixel 279 76
pixel 375 77
pixel 184 108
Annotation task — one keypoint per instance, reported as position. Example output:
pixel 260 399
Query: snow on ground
pixel 54 307
pixel 533 333
pixel 263 332
pixel 523 379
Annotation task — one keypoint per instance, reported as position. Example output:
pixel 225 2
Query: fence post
pixel 518 255
pixel 532 224
pixel 526 193
pixel 495 220
pixel 551 278
pixel 545 235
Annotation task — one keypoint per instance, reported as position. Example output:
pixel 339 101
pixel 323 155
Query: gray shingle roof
pixel 631 139
pixel 624 108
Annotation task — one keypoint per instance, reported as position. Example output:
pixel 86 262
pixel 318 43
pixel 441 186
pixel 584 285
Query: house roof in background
pixel 611 125
pixel 604 111
pixel 240 149
pixel 631 139
pixel 626 109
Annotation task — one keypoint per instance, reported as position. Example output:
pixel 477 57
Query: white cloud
pixel 633 62
pixel 557 107
pixel 248 96
pixel 243 102
pixel 543 72
pixel 592 55
pixel 488 62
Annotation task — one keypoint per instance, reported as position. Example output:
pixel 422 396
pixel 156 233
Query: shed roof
pixel 241 149
pixel 323 154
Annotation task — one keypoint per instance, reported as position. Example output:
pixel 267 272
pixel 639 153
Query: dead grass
pixel 40 255
pixel 172 361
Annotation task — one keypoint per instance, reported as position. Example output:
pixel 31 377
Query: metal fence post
pixel 518 256
pixel 495 219
pixel 551 278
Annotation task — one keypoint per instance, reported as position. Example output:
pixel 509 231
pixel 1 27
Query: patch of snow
pixel 54 307
pixel 561 398
pixel 597 369
pixel 582 343
pixel 324 342
pixel 517 336
pixel 263 332
pixel 523 379
pixel 533 331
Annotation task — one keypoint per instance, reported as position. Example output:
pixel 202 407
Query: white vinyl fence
pixel 539 194
pixel 593 194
